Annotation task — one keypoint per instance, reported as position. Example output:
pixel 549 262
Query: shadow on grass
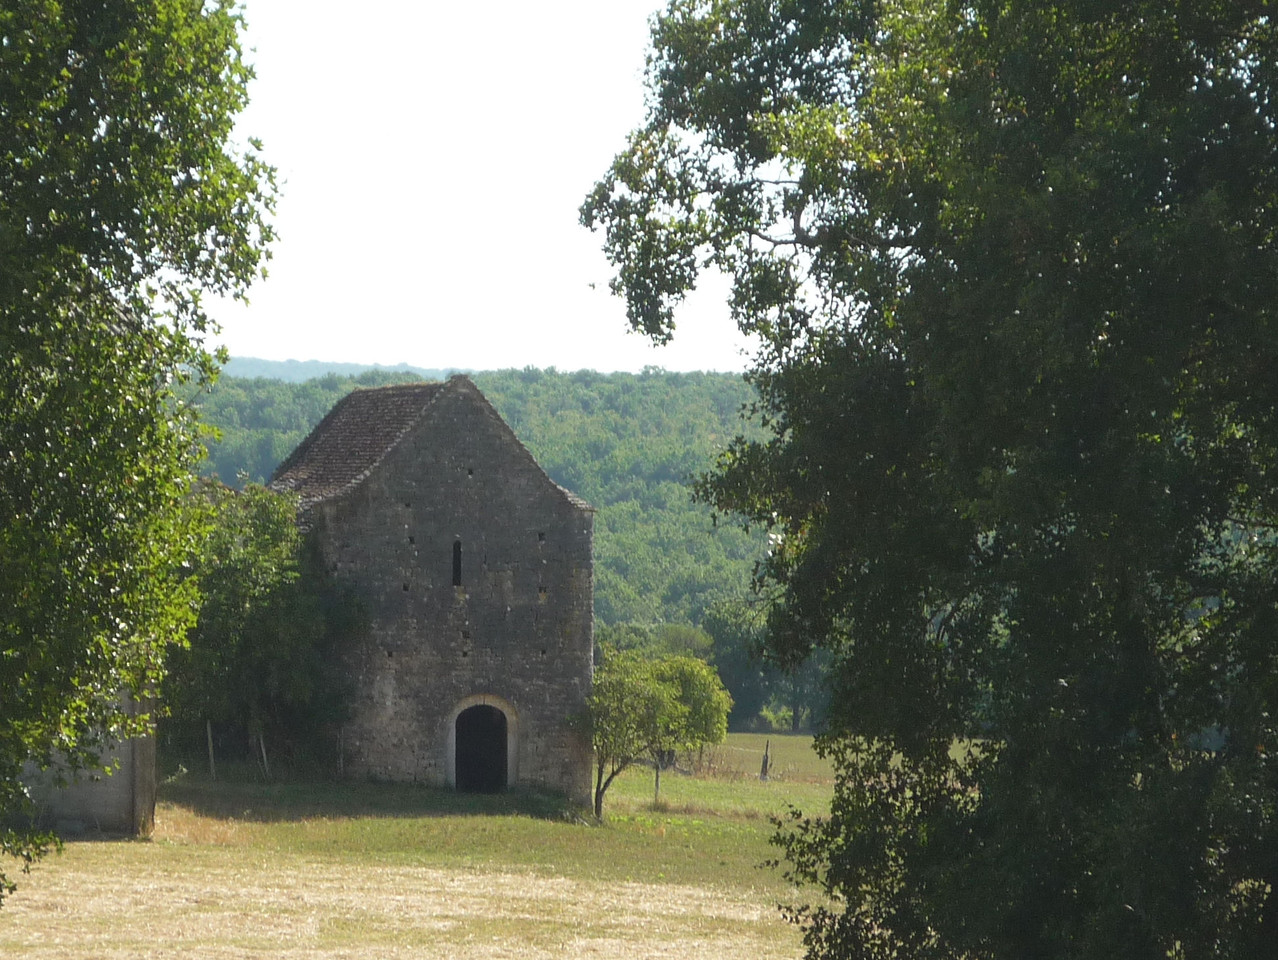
pixel 277 802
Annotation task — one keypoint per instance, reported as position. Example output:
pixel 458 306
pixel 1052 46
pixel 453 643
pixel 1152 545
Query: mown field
pixel 243 869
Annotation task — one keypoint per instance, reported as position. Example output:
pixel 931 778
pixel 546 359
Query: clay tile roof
pixel 575 500
pixel 356 434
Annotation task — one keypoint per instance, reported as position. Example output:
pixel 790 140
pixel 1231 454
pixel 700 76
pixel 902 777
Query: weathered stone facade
pixel 476 572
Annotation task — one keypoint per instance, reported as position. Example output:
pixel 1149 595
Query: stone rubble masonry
pixel 455 496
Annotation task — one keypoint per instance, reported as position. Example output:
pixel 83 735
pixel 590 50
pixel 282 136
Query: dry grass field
pixel 239 870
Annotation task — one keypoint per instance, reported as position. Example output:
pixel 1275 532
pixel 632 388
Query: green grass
pixel 326 869
pixel 707 829
pixel 730 787
pixel 791 757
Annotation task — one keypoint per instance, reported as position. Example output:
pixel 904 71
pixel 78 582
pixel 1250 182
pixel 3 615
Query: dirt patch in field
pixel 162 900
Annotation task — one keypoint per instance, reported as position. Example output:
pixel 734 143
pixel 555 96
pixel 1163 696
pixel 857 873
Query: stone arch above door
pixel 512 734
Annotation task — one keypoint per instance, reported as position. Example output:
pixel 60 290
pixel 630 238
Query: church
pixel 474 570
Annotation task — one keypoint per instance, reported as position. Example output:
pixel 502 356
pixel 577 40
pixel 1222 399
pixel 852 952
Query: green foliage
pixel 765 694
pixel 737 635
pixel 1012 270
pixel 705 704
pixel 620 713
pixel 264 655
pixel 630 444
pixel 120 203
pixel 641 707
pixel 655 640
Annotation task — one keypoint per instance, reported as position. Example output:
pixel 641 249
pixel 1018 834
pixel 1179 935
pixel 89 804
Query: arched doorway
pixel 481 749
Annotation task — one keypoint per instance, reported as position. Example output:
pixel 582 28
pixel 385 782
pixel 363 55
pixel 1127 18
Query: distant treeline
pixel 627 443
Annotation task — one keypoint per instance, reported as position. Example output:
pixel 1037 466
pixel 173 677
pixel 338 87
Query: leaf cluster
pixel 1012 269
pixel 264 657
pixel 640 707
pixel 121 202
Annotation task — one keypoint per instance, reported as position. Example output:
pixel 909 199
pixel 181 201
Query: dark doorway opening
pixel 481 750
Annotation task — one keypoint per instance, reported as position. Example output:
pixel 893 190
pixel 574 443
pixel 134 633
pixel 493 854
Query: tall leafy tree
pixel 121 202
pixel 737 653
pixel 264 656
pixel 1012 270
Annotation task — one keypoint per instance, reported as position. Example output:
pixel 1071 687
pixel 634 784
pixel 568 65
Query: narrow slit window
pixel 456 563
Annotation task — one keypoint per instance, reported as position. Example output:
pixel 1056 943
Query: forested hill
pixel 627 443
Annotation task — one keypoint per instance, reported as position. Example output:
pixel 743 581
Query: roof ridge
pixel 365 426
pixel 354 457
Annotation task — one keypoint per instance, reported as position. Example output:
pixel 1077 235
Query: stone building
pixel 475 572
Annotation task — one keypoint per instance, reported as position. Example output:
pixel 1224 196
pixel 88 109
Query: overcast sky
pixel 432 160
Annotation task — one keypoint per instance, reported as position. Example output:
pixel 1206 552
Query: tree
pixel 120 204
pixel 1012 271
pixel 656 639
pixel 646 707
pixel 702 714
pixel 802 688
pixel 621 711
pixel 737 633
pixel 263 656
pixel 742 658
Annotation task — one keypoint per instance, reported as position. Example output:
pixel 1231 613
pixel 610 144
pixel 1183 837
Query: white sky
pixel 432 159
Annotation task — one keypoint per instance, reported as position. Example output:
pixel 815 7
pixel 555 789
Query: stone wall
pixel 122 802
pixel 459 499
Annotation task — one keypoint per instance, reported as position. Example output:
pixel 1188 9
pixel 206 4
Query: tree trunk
pixel 208 730
pixel 656 790
pixel 266 764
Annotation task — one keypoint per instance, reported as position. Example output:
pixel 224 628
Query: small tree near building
pixel 703 715
pixel 645 708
